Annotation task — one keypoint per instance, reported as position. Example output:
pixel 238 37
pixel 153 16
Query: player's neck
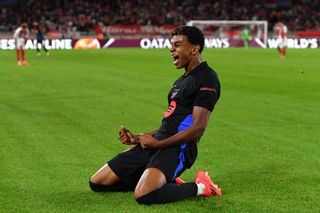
pixel 193 64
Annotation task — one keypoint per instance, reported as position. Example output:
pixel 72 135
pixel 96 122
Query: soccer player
pixel 21 35
pixel 281 30
pixel 40 40
pixel 152 167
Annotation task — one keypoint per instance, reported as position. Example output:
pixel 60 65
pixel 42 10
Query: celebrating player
pixel 152 167
pixel 281 30
pixel 21 35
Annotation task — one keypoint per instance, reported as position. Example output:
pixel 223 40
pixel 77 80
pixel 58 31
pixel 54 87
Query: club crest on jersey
pixel 174 93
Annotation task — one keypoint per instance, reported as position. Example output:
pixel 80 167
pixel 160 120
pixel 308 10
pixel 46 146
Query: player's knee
pixel 92 179
pixel 138 193
pixel 95 179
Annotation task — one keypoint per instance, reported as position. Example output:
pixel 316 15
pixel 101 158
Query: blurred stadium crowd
pixel 86 16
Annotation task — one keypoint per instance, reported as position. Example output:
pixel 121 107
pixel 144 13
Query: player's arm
pixel 200 117
pixel 152 133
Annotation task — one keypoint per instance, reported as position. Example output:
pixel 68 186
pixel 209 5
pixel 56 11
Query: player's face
pixel 181 51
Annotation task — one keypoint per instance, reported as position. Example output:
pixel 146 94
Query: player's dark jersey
pixel 200 87
pixel 39 37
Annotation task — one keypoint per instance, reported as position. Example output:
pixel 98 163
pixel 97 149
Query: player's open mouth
pixel 175 59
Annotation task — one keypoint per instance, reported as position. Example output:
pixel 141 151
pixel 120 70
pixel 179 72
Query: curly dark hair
pixel 193 34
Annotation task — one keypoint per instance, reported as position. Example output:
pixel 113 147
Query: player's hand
pixel 148 142
pixel 126 137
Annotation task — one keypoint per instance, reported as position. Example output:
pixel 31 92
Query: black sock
pixel 119 187
pixel 169 193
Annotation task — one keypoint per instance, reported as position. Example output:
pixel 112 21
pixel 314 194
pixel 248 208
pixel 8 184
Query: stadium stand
pixel 69 17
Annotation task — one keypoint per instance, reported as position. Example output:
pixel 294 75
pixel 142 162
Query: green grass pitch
pixel 59 119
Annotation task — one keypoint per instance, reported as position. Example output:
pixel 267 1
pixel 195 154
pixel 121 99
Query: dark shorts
pixel 172 161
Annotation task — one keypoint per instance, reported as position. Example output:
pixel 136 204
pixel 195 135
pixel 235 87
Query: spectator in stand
pixel 101 32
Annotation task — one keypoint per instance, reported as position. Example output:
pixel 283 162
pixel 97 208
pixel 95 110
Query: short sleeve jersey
pixel 20 33
pixel 201 87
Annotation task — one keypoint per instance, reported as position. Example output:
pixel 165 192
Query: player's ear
pixel 195 49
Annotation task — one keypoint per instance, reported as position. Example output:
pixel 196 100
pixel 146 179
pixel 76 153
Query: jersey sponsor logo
pixel 170 110
pixel 208 89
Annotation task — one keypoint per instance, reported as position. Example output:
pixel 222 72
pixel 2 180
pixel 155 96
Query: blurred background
pixel 74 19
